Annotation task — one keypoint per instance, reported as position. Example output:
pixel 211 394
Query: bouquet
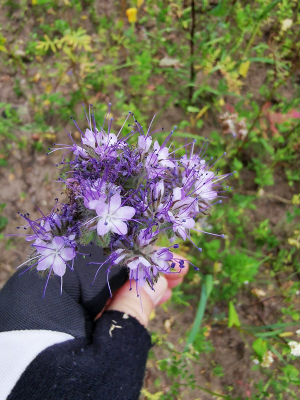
pixel 123 194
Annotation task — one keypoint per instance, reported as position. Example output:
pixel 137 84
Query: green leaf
pixel 220 9
pixel 233 318
pixel 205 292
pixel 267 334
pixel 260 347
pixel 193 109
pixel 268 9
pixel 290 372
pixel 3 222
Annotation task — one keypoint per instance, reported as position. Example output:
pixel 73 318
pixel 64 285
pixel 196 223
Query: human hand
pixel 50 347
pixel 126 300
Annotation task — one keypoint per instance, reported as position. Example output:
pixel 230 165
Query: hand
pixel 126 300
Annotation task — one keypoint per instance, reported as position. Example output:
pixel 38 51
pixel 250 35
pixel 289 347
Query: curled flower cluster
pixel 122 197
pixel 295 348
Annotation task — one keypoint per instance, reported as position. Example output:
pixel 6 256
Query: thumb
pixel 140 307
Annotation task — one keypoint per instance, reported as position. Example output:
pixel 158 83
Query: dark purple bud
pixel 176 246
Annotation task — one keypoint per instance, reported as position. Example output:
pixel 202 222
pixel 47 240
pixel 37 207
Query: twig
pixel 192 68
pixel 261 301
pixel 269 195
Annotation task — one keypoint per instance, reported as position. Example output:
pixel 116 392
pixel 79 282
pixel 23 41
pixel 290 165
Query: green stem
pixel 206 290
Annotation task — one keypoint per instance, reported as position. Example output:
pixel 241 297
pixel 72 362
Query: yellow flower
pixel 131 14
pixel 139 3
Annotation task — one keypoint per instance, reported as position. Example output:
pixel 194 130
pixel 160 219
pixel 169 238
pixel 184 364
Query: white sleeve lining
pixel 18 349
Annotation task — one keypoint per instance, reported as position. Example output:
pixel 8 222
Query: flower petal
pixel 67 253
pixel 45 263
pixel 101 209
pixel 119 227
pixel 125 213
pixel 59 266
pixel 114 203
pixel 102 229
pixel 57 242
pixel 43 248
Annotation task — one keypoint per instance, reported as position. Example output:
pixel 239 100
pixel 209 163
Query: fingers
pixel 126 300
pixel 176 278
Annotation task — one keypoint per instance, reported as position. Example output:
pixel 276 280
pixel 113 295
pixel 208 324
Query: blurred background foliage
pixel 227 70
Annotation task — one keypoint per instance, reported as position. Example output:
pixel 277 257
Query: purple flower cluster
pixel 122 197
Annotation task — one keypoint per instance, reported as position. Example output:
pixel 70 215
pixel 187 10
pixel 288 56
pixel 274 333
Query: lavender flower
pixel 122 197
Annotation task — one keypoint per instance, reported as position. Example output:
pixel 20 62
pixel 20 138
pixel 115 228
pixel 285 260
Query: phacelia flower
pixel 112 216
pixel 123 195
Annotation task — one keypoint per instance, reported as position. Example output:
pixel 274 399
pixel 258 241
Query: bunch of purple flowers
pixel 122 197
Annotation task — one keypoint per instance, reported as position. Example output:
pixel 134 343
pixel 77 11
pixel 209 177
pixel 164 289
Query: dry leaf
pixel 168 324
pixel 244 68
pixel 258 292
pixel 169 62
pixel 152 315
pixel 36 77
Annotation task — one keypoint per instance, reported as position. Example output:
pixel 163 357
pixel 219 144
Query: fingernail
pixel 159 289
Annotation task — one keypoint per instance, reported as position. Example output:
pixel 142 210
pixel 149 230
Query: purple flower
pixel 110 180
pixel 160 259
pixel 144 143
pixel 181 222
pixel 54 255
pixel 140 270
pixel 205 187
pixel 112 216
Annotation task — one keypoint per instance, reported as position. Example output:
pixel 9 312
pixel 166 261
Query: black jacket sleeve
pixel 102 359
pixel 112 367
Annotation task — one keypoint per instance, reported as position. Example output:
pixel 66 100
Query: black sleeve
pixel 111 367
pixel 105 359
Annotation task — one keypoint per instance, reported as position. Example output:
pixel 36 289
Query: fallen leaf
pixel 244 68
pixel 35 137
pixel 168 324
pixel 5 78
pixel 152 315
pixel 169 62
pixel 36 77
pixel 258 292
pixel 286 24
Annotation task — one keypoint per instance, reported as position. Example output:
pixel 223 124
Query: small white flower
pixel 298 332
pixel 255 361
pixel 286 24
pixel 267 359
pixel 295 348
